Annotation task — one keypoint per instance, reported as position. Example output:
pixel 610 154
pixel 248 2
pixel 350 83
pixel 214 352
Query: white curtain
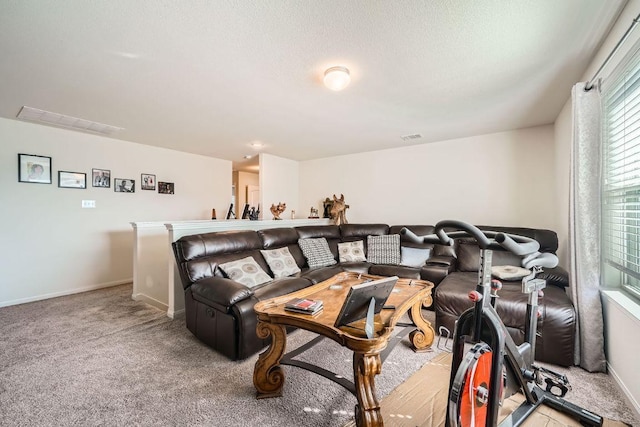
pixel 584 227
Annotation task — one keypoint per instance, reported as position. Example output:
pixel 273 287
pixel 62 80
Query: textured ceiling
pixel 211 77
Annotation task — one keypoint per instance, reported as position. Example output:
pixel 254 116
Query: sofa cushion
pixel 282 286
pixel 414 257
pixel 351 251
pixel 356 267
pixel 246 271
pixel 395 270
pixel 383 249
pixel 208 244
pixel 317 275
pixel 355 232
pixel 469 257
pixel 280 262
pixel 317 252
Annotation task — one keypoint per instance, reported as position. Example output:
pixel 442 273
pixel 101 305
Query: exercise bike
pixel 487 365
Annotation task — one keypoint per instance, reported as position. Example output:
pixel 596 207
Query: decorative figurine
pixel 277 210
pixel 338 210
pixel 254 213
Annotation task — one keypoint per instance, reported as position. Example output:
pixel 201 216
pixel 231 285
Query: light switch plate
pixel 88 203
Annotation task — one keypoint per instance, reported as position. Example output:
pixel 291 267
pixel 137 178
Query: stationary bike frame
pixel 482 324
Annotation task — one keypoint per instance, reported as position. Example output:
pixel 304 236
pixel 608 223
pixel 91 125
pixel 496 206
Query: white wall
pixel 505 178
pixel 562 135
pixel 51 246
pixel 279 183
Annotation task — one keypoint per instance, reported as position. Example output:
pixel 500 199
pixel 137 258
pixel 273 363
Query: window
pixel 621 176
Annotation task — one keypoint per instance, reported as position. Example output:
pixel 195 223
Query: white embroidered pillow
pixel 351 251
pixel 246 271
pixel 317 252
pixel 383 249
pixel 281 262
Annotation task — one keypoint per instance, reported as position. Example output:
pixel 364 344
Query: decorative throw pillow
pixel 351 251
pixel 383 249
pixel 246 271
pixel 509 272
pixel 317 252
pixel 281 262
pixel 414 257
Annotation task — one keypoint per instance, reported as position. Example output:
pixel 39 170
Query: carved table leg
pixel 268 376
pixel 365 368
pixel 421 338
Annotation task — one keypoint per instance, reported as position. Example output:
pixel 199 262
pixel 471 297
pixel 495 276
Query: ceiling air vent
pixel 411 137
pixel 55 119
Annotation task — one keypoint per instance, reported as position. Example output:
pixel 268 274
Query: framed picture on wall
pixel 101 178
pixel 33 168
pixel 68 179
pixel 147 181
pixel 121 185
pixel 165 188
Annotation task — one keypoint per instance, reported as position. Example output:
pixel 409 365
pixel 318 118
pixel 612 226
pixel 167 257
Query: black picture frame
pixel 68 179
pixel 166 187
pixel 124 185
pixel 34 169
pixel 357 302
pixel 230 212
pixel 147 181
pixel 245 211
pixel 101 178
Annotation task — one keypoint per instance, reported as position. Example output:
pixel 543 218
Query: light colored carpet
pixel 100 358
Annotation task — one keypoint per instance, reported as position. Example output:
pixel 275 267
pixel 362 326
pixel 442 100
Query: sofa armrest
pixel 557 276
pixel 220 293
pixel 435 273
pixel 443 260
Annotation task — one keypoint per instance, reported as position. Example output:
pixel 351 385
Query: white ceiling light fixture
pixel 337 78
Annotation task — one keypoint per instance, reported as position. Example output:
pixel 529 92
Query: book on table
pixel 303 305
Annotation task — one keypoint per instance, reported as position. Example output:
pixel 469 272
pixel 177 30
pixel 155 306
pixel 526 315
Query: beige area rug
pixel 421 401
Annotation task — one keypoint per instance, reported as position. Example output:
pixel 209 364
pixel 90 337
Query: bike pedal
pixel 556 388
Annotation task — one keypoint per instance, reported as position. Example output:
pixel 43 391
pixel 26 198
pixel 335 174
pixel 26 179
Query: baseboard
pixel 630 399
pixel 175 314
pixel 65 293
pixel 151 301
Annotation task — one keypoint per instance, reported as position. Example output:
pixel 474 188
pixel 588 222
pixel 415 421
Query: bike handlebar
pixel 519 245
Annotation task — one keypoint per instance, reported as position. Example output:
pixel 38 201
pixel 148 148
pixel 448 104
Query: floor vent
pixel 55 119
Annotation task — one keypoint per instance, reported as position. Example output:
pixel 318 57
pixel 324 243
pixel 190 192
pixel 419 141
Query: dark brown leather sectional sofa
pixel 219 311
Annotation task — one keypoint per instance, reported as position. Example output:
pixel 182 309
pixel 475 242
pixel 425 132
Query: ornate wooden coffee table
pixel 368 354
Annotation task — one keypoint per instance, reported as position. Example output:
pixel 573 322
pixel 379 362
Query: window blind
pixel 621 172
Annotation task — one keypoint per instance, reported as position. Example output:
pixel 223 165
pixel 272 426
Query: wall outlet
pixel 88 203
